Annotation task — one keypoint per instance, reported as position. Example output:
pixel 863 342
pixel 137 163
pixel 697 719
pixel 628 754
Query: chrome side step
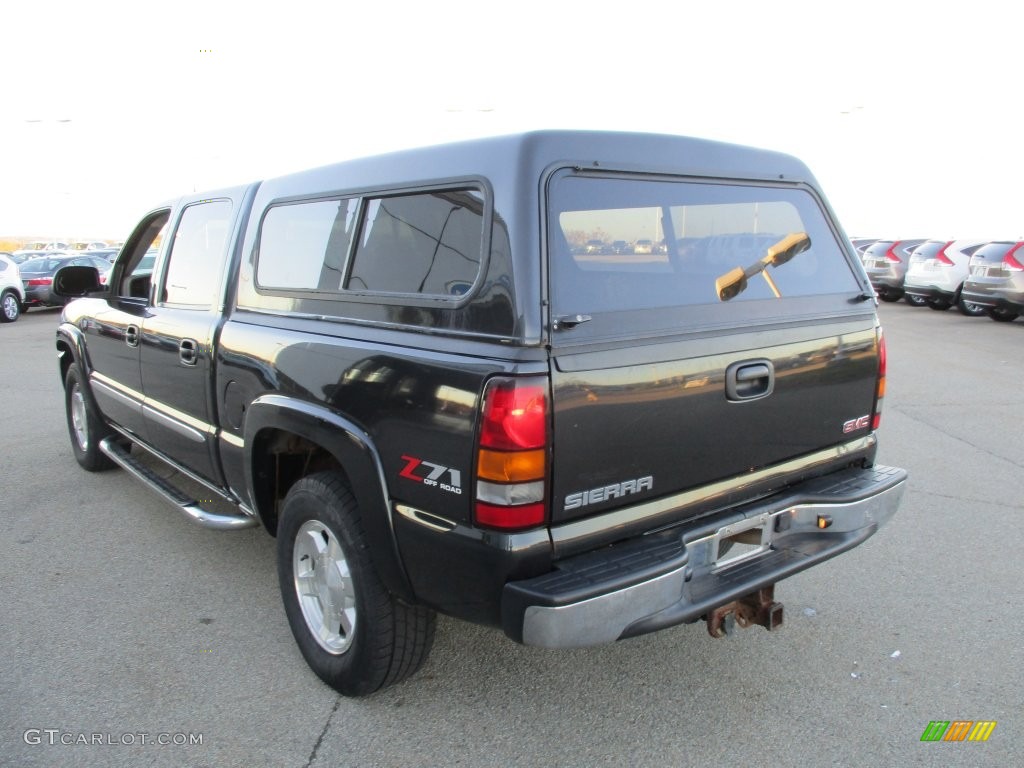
pixel 190 507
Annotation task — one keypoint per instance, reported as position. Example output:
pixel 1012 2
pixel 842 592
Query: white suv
pixel 937 272
pixel 12 292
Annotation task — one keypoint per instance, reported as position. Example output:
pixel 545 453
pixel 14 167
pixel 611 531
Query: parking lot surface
pixel 130 636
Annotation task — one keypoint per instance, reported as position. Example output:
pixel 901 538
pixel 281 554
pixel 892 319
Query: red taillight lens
pixel 511 465
pixel 883 364
pixel 941 256
pixel 1010 261
pixel 41 281
pixel 890 255
pixel 515 416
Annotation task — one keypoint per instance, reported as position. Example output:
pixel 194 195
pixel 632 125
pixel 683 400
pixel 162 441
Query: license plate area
pixel 738 542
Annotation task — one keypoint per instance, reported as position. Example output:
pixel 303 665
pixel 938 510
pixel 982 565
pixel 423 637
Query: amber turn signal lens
pixel 510 466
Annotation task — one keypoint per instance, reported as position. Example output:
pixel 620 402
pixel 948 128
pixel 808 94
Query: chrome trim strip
pixel 116 390
pixel 178 427
pixel 166 412
pixel 233 440
pixel 649 512
pixel 604 618
pixel 434 522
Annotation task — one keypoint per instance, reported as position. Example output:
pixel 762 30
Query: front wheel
pixel 354 634
pixel 915 301
pixel 968 308
pixel 940 305
pixel 10 307
pixel 85 426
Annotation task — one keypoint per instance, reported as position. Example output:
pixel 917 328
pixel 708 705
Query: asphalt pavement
pixel 130 636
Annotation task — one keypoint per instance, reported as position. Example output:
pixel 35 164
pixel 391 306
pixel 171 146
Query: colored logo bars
pixel 958 730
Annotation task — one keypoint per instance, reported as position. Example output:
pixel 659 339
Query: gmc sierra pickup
pixel 576 385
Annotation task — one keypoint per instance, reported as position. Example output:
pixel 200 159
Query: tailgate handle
pixel 749 380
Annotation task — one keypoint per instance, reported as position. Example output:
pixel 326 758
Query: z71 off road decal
pixel 428 473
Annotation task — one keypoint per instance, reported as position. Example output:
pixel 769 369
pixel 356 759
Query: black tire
pixel 1001 315
pixel 940 305
pixel 10 307
pixel 374 640
pixel 914 301
pixel 85 427
pixel 889 296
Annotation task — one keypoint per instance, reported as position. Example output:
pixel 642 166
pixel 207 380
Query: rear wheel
pixel 85 426
pixel 354 634
pixel 889 296
pixel 1002 315
pixel 10 307
pixel 915 301
pixel 939 304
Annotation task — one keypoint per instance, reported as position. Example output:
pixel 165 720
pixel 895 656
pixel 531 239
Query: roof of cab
pixel 509 157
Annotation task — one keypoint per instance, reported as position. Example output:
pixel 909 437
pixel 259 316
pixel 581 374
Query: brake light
pixel 883 364
pixel 941 256
pixel 40 281
pixel 1010 261
pixel 890 255
pixel 511 464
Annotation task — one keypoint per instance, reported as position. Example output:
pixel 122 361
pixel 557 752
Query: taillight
pixel 890 255
pixel 883 362
pixel 1010 261
pixel 40 281
pixel 941 256
pixel 511 464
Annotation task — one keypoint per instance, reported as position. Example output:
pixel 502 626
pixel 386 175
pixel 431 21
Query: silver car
pixel 886 262
pixel 937 273
pixel 996 281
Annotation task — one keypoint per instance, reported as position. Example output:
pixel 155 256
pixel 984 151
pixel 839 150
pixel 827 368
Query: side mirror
pixel 76 281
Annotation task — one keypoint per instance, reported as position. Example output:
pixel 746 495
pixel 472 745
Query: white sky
pixel 908 113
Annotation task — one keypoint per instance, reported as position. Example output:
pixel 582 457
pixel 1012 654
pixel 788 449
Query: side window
pixel 303 246
pixel 197 254
pixel 428 243
pixel 136 259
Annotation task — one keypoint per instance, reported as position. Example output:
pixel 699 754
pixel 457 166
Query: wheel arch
pixel 287 439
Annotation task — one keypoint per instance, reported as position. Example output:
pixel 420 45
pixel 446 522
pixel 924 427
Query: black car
pixel 37 277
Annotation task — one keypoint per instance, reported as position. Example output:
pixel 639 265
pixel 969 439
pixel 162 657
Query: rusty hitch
pixel 756 608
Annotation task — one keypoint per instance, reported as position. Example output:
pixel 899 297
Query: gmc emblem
pixel 854 424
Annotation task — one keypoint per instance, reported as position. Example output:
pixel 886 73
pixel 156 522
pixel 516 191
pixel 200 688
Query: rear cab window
pixel 703 254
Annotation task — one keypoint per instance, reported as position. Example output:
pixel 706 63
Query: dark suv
pixel 413 372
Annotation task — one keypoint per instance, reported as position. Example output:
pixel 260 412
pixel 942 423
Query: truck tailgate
pixel 641 422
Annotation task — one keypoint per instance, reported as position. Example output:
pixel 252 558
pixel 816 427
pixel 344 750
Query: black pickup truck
pixel 576 385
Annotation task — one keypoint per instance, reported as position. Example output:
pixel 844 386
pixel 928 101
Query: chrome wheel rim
pixel 10 306
pixel 79 418
pixel 324 587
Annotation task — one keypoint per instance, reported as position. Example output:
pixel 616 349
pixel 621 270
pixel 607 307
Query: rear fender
pixel 351 447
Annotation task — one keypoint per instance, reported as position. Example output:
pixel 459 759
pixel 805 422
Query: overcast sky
pixel 908 113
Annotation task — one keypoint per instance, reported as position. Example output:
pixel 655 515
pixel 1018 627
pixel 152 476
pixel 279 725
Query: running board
pixel 190 507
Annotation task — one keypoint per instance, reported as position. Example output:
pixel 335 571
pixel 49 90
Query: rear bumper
pixel 677 576
pixel 998 295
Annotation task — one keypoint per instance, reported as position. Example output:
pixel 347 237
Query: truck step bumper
pixel 680 575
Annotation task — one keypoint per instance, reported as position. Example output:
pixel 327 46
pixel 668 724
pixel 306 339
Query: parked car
pixel 996 281
pixel 22 255
pixel 643 246
pixel 12 293
pixel 621 246
pixel 37 276
pixel 860 244
pixel 886 261
pixel 937 272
